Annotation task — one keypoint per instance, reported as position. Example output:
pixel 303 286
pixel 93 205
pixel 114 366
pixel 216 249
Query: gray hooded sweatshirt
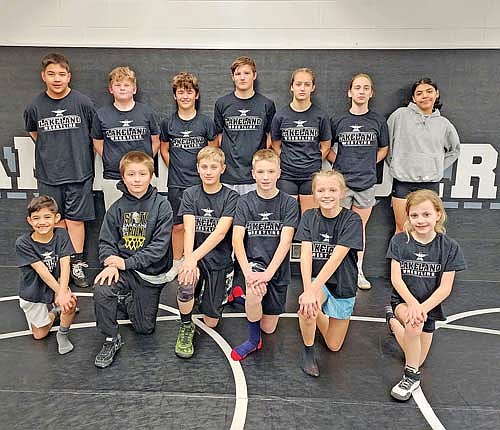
pixel 421 146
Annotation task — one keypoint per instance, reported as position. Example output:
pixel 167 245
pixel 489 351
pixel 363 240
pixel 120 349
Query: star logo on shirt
pixel 186 133
pixel 126 122
pixel 300 123
pixel 355 128
pixel 59 112
pixel 420 256
pixel 265 216
pixel 326 237
pixel 243 112
pixel 207 212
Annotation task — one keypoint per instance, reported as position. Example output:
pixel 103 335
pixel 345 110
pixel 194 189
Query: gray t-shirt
pixel 186 138
pixel 244 124
pixel 324 234
pixel 31 287
pixel 207 210
pixel 359 137
pixel 422 266
pixel 63 149
pixel 123 131
pixel 263 220
pixel 300 134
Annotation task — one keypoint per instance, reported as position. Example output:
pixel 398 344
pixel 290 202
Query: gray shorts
pixel 361 199
pixel 242 189
pixel 37 314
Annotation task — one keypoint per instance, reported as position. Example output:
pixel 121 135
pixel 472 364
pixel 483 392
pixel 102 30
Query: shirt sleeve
pixel 30 123
pixel 164 136
pixel 230 204
pixel 25 254
pixel 383 137
pixel 291 212
pixel 276 127
pixel 96 132
pixel 325 129
pixel 66 248
pixel 271 112
pixel 455 260
pixel 304 229
pixel 334 123
pixel 451 146
pixel 210 130
pixel 393 250
pixel 187 203
pixel 241 213
pixel 218 118
pixel 153 124
pixel 351 232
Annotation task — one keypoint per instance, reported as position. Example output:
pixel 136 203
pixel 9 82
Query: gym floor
pixel 149 387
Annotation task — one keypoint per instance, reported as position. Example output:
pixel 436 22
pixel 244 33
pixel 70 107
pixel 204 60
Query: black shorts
pixel 295 187
pixel 175 197
pixel 401 189
pixel 273 303
pixel 212 290
pixel 75 200
pixel 429 324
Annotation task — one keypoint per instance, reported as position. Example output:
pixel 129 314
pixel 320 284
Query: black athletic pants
pixel 131 297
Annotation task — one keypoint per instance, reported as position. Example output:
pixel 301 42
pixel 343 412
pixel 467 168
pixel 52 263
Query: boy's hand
pixel 189 273
pixel 65 299
pixel 309 306
pixel 115 261
pixel 415 314
pixel 109 274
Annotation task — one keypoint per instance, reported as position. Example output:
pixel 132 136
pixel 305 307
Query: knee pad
pixel 185 293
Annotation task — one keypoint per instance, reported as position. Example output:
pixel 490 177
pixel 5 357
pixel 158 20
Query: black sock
pixel 187 318
pixel 63 330
pixel 77 256
pixel 309 350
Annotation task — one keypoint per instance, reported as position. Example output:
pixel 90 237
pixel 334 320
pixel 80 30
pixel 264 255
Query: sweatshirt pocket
pixel 418 167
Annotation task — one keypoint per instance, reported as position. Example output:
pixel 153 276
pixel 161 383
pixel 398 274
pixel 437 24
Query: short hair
pixel 211 153
pixel 363 75
pixel 428 81
pixel 185 80
pixel 420 196
pixel 243 61
pixel 138 157
pixel 305 70
pixel 327 173
pixel 122 73
pixel 38 203
pixel 265 155
pixel 55 58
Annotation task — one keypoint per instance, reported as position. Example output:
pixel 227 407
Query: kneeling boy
pixel 263 229
pixel 44 259
pixel 207 212
pixel 134 247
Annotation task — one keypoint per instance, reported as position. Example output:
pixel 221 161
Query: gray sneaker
pixel 409 383
pixel 363 283
pixel 108 351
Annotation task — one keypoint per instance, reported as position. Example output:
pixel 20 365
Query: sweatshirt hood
pixel 414 108
pixel 123 188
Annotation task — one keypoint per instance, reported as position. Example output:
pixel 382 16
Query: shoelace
pixel 107 348
pixel 406 383
pixel 186 330
pixel 78 269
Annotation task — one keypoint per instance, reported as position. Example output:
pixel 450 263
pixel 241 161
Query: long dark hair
pixel 428 81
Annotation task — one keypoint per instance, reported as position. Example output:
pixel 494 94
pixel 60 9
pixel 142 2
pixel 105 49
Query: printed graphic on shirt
pixel 127 132
pixel 205 223
pixel 243 122
pixel 59 121
pixel 356 137
pixel 134 229
pixel 264 227
pixel 187 141
pixel 419 267
pixel 50 259
pixel 300 133
pixel 322 250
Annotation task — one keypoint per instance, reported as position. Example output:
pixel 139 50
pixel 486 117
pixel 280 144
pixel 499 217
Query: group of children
pixel 259 185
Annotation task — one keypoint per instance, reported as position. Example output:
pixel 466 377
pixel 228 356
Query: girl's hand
pixel 308 304
pixel 415 314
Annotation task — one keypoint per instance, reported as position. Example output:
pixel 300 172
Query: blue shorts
pixel 333 307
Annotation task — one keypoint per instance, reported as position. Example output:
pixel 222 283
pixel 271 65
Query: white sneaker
pixel 363 283
pixel 409 383
pixel 174 271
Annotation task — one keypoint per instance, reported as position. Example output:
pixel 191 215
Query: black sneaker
pixel 78 275
pixel 309 365
pixel 389 314
pixel 409 383
pixel 108 351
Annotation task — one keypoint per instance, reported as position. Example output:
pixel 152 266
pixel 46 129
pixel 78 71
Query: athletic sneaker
pixel 108 351
pixel 174 270
pixel 184 346
pixel 403 389
pixel 309 364
pixel 363 283
pixel 78 275
pixel 389 314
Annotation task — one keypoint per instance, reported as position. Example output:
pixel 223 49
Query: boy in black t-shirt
pixel 134 247
pixel 59 121
pixel 208 211
pixel 43 257
pixel 125 125
pixel 183 134
pixel 264 223
pixel 243 121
